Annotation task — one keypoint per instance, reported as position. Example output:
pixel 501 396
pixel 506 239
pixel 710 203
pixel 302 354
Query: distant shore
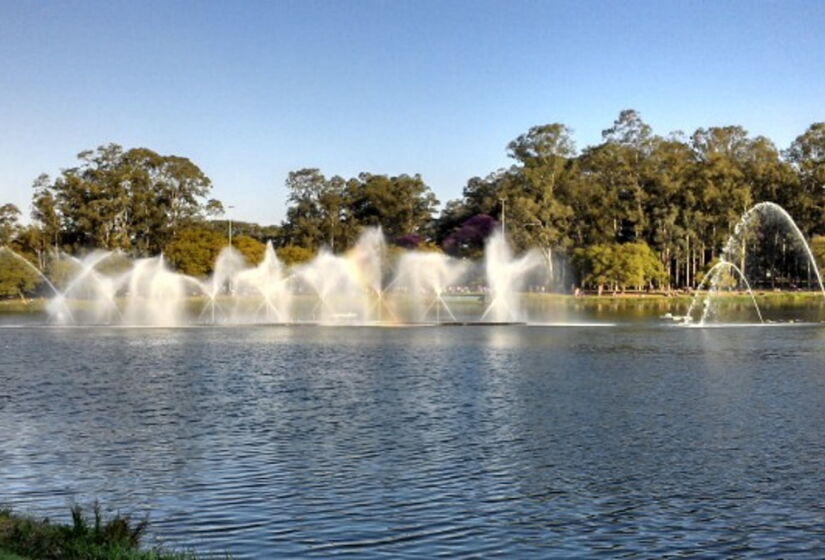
pixel 538 299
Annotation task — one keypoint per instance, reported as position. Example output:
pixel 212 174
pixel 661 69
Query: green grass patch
pixel 36 305
pixel 89 536
pixel 9 556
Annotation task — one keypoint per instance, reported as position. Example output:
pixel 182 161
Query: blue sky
pixel 250 90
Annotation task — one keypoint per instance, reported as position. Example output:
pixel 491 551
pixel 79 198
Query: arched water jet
pixel 714 276
pixel 156 295
pixel 738 236
pixel 99 291
pixel 59 302
pixel 735 250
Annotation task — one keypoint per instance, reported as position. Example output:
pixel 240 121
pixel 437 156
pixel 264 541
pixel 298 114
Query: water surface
pixel 522 441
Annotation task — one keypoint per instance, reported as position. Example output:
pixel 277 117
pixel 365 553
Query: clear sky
pixel 251 90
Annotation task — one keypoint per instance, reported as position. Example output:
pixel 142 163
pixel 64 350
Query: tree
pixel 320 211
pixel 629 130
pixel 596 265
pixel 807 156
pixel 620 265
pixel 193 250
pixel 400 205
pixel 620 162
pixel 31 241
pixel 638 266
pixel 17 279
pixel 670 198
pixel 721 182
pixel 44 211
pixel 468 240
pixel 9 216
pixel 818 249
pixel 542 146
pixel 292 254
pixel 251 249
pixel 537 215
pixel 116 199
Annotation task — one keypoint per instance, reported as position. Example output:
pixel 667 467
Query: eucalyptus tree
pixel 45 213
pixel 622 156
pixel 670 198
pixel 724 193
pixel 165 193
pixel 537 214
pixel 116 199
pixel 400 205
pixel 9 218
pixel 807 156
pixel 307 219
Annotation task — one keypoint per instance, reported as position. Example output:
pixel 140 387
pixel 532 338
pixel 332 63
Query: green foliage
pixel 17 279
pixel 9 214
pixel 331 212
pixel 619 266
pixel 95 538
pixel 116 199
pixel 193 250
pixel 292 254
pixel 251 249
pixel 61 272
pixel 319 213
pixel 401 205
pixel 680 195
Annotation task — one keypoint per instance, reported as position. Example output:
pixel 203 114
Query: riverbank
pixel 39 305
pixel 88 537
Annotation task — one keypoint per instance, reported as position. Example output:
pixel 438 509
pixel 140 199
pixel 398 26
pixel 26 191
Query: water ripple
pixel 411 443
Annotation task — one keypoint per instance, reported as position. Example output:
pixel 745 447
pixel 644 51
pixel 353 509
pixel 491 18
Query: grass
pixel 35 305
pixel 87 537
pixel 677 301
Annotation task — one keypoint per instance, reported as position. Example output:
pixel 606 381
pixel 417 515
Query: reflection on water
pixel 511 441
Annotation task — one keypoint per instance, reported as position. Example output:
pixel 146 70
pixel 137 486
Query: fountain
pixel 267 285
pixel 735 250
pixel 505 276
pixel 424 277
pixel 715 279
pixel 360 287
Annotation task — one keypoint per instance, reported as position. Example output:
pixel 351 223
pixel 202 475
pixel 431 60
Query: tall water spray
pixel 155 295
pixel 360 286
pixel 347 288
pixel 505 279
pixel 424 277
pixel 265 288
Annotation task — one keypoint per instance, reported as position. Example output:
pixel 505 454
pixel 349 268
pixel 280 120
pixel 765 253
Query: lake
pixel 637 439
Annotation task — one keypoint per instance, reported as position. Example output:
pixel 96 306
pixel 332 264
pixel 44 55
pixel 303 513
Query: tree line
pixel 638 209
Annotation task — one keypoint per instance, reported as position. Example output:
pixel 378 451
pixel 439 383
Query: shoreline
pixel 39 305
